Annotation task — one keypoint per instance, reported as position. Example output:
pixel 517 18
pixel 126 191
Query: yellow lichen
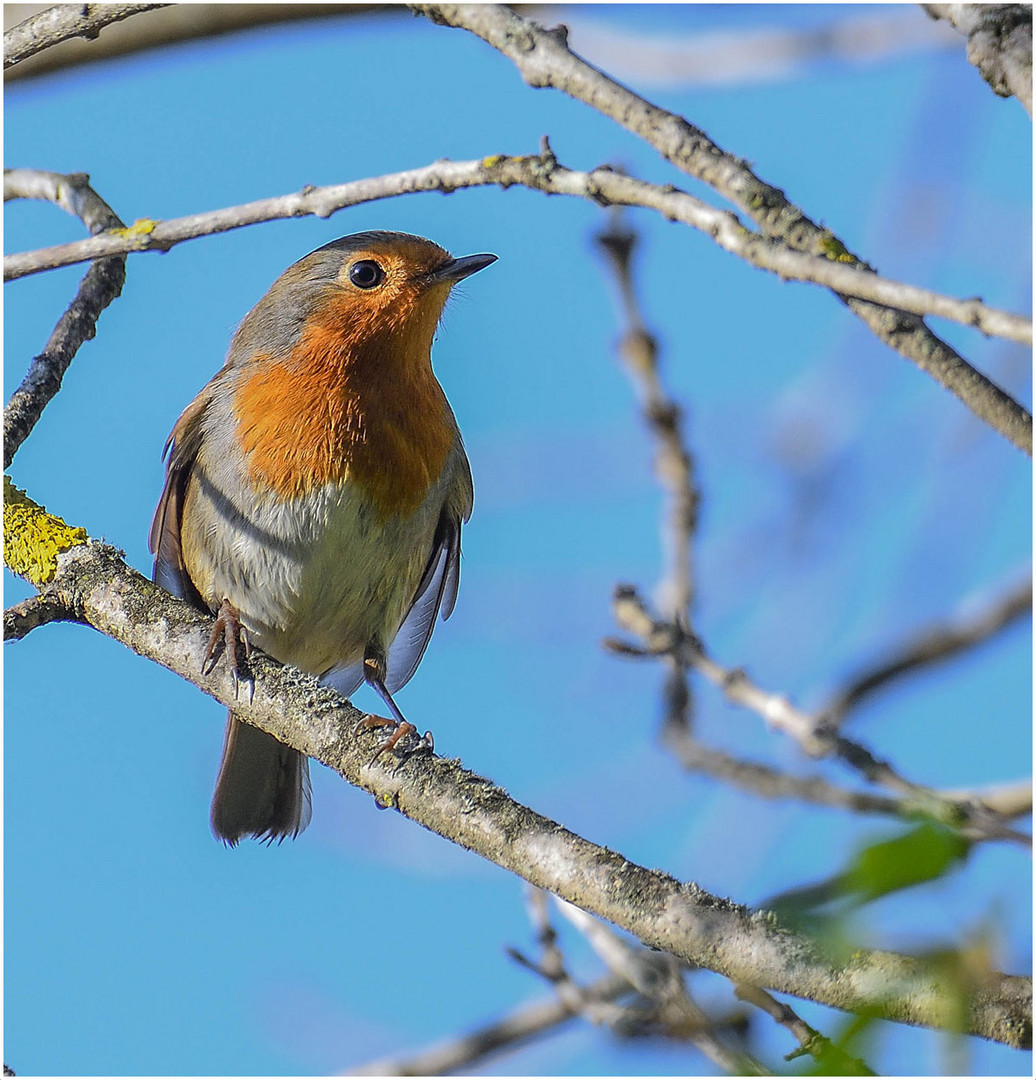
pixel 140 227
pixel 493 159
pixel 33 539
pixel 832 248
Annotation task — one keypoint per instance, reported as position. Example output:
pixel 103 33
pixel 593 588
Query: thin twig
pixel 931 646
pixel 21 619
pixel 674 464
pixel 810 1041
pixel 1006 800
pixel 101 284
pixel 543 58
pixel 61 22
pixel 538 173
pixel 1010 800
pixel 659 978
pixel 660 637
pixel 551 967
pixel 509 1033
pixel 752 53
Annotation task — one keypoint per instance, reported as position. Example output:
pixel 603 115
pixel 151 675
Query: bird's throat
pixel 336 411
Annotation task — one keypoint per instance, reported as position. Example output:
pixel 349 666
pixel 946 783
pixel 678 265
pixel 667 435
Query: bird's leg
pixel 228 632
pixel 374 674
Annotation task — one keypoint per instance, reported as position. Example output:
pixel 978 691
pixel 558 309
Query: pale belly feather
pixel 314 579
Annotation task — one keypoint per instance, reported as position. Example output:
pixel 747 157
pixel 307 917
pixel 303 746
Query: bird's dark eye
pixel 365 274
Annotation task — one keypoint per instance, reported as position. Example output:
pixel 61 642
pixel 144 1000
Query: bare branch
pixel 61 22
pixel 1009 800
pixel 674 464
pixel 770 783
pixel 525 1023
pixel 540 173
pixel 737 57
pixel 172 24
pixel 660 637
pixel 551 967
pixel 94 582
pixel 999 43
pixel 810 1041
pixel 544 59
pixel 100 286
pixel 931 646
pixel 21 619
pixel 658 977
pixel 1006 800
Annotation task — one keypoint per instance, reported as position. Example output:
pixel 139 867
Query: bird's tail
pixel 263 787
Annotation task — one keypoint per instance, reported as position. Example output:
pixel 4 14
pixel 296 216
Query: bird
pixel 314 494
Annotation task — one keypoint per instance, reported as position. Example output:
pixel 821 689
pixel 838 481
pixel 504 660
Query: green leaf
pixel 923 854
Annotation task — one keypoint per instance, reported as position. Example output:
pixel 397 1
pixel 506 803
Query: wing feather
pixel 181 449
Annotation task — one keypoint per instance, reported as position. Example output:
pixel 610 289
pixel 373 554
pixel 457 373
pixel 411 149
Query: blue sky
pixel 847 500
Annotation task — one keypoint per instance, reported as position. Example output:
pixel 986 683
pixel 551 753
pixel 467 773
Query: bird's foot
pixel 402 736
pixel 229 636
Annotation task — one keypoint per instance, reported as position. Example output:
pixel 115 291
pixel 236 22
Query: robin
pixel 314 495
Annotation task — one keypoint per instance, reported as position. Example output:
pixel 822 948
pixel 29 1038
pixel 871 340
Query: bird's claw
pixel 402 732
pixel 229 636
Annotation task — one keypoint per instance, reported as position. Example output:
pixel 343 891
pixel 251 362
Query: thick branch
pixel 539 173
pixel 94 582
pixel 100 286
pixel 544 59
pixel 61 22
pixel 999 43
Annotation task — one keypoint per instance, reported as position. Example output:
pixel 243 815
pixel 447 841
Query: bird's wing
pixel 164 540
pixel 436 592
pixel 437 589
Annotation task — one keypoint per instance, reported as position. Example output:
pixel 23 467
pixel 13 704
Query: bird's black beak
pixel 458 269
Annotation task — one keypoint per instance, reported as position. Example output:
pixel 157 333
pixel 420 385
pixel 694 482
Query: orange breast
pixel 353 402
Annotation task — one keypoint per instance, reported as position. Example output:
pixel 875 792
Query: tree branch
pixel 174 24
pixel 999 43
pixel 674 464
pixel 525 1023
pixel 539 173
pixel 659 978
pixel 1006 800
pixel 931 646
pixel 21 619
pixel 661 638
pixel 61 22
pixel 101 284
pixel 809 1039
pixel 750 54
pixel 544 59
pixel 94 582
